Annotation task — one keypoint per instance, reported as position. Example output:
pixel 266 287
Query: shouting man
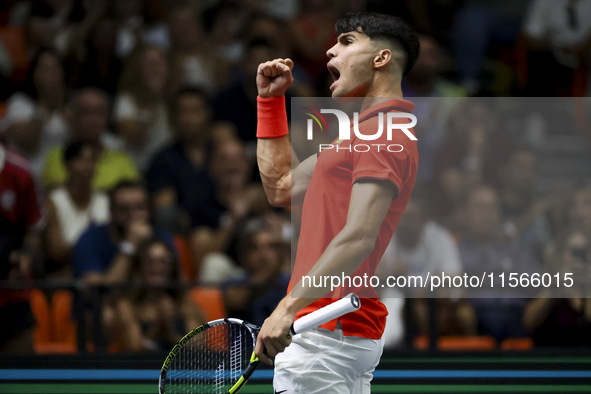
pixel 352 202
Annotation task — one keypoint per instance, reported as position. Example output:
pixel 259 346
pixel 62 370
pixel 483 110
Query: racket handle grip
pixel 349 304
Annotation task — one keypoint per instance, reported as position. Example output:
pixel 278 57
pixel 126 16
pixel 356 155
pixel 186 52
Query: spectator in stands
pixel 152 318
pixel 254 296
pixel 559 34
pixel 421 246
pixel 46 85
pixel 89 117
pixel 177 178
pixel 265 29
pixel 472 153
pixel 565 321
pixel 427 16
pixel 101 67
pixel 24 131
pixel 225 23
pixel 425 80
pixel 524 216
pixel 128 18
pixel 580 209
pixel 235 199
pixel 483 249
pixel 140 108
pixel 478 24
pixel 104 253
pixel 155 29
pixel 241 95
pixel 193 63
pixel 313 34
pixel 51 21
pixel 64 25
pixel 22 218
pixel 72 208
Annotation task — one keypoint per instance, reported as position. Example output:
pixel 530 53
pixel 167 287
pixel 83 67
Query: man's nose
pixel 332 52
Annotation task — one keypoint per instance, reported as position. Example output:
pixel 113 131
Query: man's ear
pixel 382 58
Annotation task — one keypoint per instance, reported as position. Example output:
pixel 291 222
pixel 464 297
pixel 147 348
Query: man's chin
pixel 340 97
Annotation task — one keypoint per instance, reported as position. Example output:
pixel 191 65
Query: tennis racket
pixel 218 357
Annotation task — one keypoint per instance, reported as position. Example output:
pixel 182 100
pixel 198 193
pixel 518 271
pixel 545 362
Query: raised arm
pixel 285 180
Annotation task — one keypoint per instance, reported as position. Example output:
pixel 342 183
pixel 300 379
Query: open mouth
pixel 334 72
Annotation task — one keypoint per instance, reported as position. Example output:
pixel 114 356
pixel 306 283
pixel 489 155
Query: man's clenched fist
pixel 274 77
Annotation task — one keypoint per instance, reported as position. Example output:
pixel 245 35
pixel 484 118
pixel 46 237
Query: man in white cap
pixel 23 129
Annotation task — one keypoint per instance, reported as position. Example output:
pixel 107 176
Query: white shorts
pixel 327 362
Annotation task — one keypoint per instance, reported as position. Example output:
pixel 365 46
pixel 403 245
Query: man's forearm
pixel 274 160
pixel 119 270
pixel 274 153
pixel 343 256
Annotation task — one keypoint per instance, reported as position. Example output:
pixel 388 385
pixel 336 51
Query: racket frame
pixel 253 362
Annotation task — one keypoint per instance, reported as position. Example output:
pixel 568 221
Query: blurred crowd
pixel 128 155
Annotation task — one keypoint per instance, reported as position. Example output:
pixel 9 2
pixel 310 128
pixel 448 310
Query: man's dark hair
pixel 75 95
pixel 380 26
pixel 185 91
pixel 126 184
pixel 74 149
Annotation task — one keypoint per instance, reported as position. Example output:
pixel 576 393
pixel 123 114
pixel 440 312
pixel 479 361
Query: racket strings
pixel 211 362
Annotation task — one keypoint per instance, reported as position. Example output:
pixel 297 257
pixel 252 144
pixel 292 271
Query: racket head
pixel 215 358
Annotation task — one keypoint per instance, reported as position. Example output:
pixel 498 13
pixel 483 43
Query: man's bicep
pixel 369 205
pixel 300 179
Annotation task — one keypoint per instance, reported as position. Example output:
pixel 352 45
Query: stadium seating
pixel 185 258
pixel 211 302
pixel 457 343
pixel 55 331
pixel 517 344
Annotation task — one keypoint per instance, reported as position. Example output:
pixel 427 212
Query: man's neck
pixel 369 102
pixel 380 91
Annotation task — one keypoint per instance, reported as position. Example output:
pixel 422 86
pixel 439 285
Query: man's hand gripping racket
pixel 218 357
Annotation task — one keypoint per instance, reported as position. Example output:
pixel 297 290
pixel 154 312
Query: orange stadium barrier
pixel 477 343
pixel 211 302
pixel 40 309
pixel 55 331
pixel 65 329
pixel 185 258
pixel 517 344
pixel 457 343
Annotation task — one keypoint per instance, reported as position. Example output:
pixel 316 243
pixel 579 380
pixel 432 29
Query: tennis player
pixel 352 202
